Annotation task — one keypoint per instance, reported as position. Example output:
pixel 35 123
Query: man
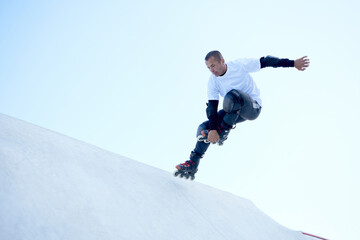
pixel 241 102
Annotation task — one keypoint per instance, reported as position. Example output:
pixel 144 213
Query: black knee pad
pixel 232 101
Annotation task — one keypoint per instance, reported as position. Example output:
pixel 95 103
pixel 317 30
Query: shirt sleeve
pixel 212 92
pixel 250 64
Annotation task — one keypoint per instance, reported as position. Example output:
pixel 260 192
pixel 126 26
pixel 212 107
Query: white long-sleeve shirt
pixel 236 77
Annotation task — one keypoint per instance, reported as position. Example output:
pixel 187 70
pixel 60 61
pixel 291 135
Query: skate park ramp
pixel 56 187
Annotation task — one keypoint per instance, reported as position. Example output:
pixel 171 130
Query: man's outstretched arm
pixel 269 61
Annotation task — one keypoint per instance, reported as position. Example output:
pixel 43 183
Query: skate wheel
pixel 176 174
pixel 187 176
pixel 192 178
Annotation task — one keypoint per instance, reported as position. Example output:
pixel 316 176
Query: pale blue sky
pixel 129 76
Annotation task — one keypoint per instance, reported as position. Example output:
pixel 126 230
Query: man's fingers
pixel 302 63
pixel 213 136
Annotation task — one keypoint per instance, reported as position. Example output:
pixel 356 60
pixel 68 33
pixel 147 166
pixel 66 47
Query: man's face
pixel 217 68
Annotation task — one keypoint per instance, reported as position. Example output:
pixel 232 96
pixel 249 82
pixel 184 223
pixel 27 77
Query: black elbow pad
pixel 211 109
pixel 211 112
pixel 269 61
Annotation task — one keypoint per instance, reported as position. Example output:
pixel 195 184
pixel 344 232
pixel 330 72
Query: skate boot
pixel 223 136
pixel 224 133
pixel 203 136
pixel 187 169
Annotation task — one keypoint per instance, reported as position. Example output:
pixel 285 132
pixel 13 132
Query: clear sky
pixel 129 77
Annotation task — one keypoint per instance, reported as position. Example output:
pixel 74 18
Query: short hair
pixel 216 54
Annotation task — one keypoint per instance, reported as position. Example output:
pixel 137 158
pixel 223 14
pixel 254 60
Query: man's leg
pixel 239 107
pixel 202 146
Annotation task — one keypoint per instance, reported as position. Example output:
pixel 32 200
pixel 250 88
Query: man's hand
pixel 213 136
pixel 302 63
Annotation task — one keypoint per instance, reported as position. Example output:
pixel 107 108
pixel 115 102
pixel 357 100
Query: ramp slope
pixel 56 187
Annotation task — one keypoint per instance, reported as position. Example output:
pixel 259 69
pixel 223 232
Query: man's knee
pixel 232 101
